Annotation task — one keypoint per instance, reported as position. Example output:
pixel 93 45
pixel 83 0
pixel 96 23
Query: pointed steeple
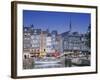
pixel 70 25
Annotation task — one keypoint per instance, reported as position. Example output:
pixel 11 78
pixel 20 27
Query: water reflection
pixel 48 62
pixel 51 62
pixel 56 65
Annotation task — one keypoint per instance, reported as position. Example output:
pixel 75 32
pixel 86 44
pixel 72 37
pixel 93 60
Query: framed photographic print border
pixel 14 53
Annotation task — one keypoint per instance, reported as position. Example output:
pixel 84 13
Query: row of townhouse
pixel 38 42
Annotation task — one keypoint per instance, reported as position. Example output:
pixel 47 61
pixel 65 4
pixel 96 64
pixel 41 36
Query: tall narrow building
pixel 43 36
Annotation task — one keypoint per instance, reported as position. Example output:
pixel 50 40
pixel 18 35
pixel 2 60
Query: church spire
pixel 70 25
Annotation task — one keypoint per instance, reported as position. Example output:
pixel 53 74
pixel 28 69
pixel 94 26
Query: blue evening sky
pixel 59 21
